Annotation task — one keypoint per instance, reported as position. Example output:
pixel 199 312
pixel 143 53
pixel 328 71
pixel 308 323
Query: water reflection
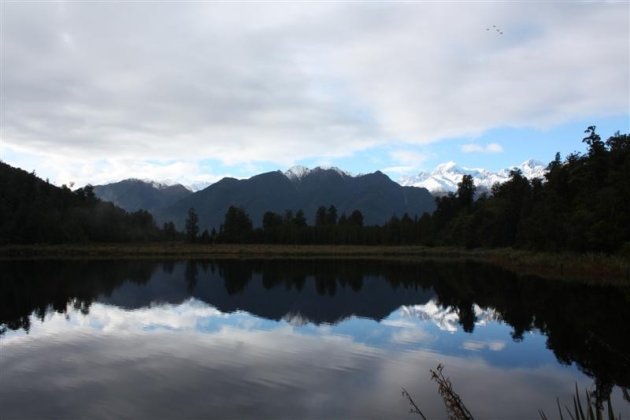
pixel 237 373
pixel 297 328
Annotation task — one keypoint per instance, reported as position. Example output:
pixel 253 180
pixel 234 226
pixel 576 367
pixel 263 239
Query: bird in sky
pixel 499 31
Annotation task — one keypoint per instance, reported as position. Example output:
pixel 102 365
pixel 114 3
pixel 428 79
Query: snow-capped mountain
pixel 446 176
pixel 298 172
pixel 300 188
pixel 198 186
pixel 135 194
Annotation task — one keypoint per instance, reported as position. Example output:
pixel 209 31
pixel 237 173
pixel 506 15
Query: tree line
pixel 34 211
pixel 581 205
pixel 288 228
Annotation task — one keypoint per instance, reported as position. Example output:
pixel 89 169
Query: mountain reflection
pixel 583 324
pixel 446 318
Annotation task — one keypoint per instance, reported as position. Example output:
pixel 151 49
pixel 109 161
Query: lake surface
pixel 301 339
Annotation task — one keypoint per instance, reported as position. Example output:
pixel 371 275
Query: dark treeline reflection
pixel 583 324
pixel 38 287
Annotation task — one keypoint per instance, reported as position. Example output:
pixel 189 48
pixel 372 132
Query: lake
pixel 301 339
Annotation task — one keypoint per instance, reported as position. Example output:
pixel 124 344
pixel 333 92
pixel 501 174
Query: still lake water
pixel 300 339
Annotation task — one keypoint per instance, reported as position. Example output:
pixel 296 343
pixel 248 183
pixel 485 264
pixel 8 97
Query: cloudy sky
pixel 93 92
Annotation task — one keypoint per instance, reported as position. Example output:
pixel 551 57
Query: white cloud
pixel 110 319
pixel 271 82
pixel 408 157
pixel 477 345
pixel 101 171
pixel 472 148
pixel 398 170
pixel 494 148
pixel 406 161
pixel 476 148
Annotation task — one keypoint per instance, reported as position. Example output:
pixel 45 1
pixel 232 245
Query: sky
pixel 190 92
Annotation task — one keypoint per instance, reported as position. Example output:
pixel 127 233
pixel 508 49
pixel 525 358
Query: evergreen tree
pixel 169 230
pixel 321 216
pixel 192 225
pixel 237 226
pixel 271 221
pixel 466 192
pixel 331 218
pixel 300 219
pixel 356 218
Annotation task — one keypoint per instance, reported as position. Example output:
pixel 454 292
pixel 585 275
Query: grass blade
pixel 589 405
pixel 611 415
pixel 559 409
pixel 578 403
pixel 413 407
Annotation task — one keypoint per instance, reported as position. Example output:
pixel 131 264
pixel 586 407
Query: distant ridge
pixel 134 194
pixel 299 187
pixel 446 176
pixel 375 195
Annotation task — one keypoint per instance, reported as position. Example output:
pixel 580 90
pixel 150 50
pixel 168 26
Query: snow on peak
pixel 165 184
pixel 336 169
pixel 159 185
pixel 298 172
pixel 533 169
pixel 154 184
pixel 198 186
pixel 532 163
pixel 446 167
pixel 446 176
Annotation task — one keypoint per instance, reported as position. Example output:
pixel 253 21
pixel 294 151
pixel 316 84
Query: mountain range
pixel 375 195
pixel 135 194
pixel 446 176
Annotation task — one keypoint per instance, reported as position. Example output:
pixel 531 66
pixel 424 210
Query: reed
pixel 455 407
pixel 586 409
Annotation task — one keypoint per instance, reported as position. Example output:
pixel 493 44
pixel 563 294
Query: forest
pixel 582 205
pixel 34 211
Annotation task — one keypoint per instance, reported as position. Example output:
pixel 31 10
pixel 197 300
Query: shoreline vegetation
pixel 457 410
pixel 586 268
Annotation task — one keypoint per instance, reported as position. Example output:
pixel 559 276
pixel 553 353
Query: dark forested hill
pixel 583 205
pixel 34 211
pixel 375 195
pixel 134 194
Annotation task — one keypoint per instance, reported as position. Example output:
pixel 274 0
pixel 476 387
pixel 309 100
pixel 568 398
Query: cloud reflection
pixel 476 345
pixel 234 372
pixel 187 316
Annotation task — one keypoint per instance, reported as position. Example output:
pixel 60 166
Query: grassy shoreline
pixel 589 268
